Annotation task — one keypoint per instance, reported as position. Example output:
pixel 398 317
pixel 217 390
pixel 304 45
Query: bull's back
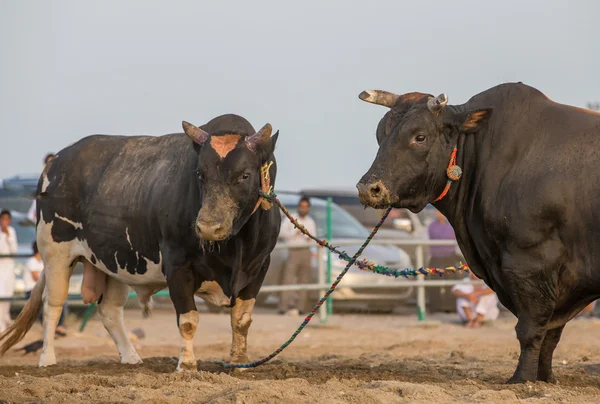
pixel 101 195
pixel 541 178
pixel 533 145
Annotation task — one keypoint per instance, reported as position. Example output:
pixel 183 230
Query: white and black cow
pixel 150 212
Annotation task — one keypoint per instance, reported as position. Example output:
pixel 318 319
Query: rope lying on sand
pixel 364 265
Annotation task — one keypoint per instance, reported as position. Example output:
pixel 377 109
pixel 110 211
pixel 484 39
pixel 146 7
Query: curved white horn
pixel 379 97
pixel 438 103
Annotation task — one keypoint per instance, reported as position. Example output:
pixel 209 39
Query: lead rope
pixel 364 265
pixel 259 362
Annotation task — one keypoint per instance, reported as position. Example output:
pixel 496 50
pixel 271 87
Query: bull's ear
pixel 269 145
pixel 259 138
pixel 196 134
pixel 472 121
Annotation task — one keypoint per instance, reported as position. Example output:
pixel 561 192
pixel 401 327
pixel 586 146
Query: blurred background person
pixel 31 214
pixel 298 268
pixel 442 256
pixel 33 270
pixel 8 245
pixel 475 304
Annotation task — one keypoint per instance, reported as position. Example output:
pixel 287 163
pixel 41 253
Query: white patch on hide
pixel 128 238
pixel 72 223
pixel 153 273
pixel 45 182
pixel 80 248
pixel 48 247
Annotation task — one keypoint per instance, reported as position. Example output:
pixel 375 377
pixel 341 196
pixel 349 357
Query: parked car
pixel 401 224
pixel 344 228
pixel 17 193
pixel 14 200
pixel 22 184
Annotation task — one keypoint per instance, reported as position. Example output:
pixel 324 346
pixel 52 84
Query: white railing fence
pixel 419 283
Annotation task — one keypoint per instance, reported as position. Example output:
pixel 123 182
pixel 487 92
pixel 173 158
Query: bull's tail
pixel 26 318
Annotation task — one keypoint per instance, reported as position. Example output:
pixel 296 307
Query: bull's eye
pixel 245 177
pixel 420 138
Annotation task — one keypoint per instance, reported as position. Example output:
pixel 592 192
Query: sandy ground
pixel 350 359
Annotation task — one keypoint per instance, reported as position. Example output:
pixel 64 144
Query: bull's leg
pixel 545 373
pixel 531 331
pixel 111 310
pixel 241 318
pixel 533 292
pixel 57 273
pixel 534 310
pixel 181 288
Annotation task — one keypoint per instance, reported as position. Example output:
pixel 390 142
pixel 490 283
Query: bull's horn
pixel 379 97
pixel 260 137
pixel 195 133
pixel 438 103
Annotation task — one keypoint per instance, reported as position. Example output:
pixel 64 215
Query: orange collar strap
pixel 453 172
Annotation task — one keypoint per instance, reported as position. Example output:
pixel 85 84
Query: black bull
pixel 526 210
pixel 149 212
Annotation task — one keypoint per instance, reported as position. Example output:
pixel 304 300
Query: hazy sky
pixel 74 68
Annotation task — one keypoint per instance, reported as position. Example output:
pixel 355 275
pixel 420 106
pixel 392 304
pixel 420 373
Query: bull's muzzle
pixel 373 193
pixel 211 230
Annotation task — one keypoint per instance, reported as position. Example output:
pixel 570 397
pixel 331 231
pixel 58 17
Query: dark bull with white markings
pixel 151 212
pixel 525 210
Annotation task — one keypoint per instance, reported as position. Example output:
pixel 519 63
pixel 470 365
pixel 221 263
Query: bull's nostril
pixel 209 227
pixel 375 190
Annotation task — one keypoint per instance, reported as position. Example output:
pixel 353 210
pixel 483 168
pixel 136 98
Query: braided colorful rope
pixel 364 265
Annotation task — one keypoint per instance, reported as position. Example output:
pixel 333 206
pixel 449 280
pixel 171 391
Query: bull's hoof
pixel 518 380
pixel 133 359
pixel 548 379
pixel 234 371
pixel 47 359
pixel 187 367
